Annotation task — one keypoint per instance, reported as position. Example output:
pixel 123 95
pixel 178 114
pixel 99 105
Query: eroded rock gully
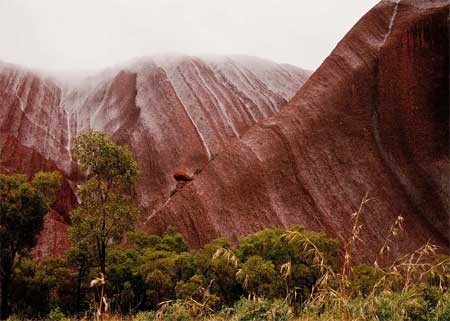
pixel 175 112
pixel 373 118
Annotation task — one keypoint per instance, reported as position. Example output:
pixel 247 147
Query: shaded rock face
pixel 175 112
pixel 374 118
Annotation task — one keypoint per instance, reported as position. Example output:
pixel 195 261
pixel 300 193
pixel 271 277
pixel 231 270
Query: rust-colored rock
pixel 373 118
pixel 173 111
pixel 33 137
pixel 182 177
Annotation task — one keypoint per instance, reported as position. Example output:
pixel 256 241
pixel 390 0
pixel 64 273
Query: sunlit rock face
pixel 374 118
pixel 176 113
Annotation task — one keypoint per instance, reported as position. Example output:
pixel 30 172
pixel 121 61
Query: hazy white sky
pixel 89 34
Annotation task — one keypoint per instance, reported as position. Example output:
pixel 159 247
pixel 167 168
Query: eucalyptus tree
pixel 23 204
pixel 107 209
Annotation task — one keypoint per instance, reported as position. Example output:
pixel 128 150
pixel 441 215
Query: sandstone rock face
pixel 33 133
pixel 175 112
pixel 373 118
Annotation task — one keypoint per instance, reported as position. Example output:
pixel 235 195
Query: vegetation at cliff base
pixel 152 277
pixel 106 211
pixel 113 272
pixel 274 275
pixel 23 204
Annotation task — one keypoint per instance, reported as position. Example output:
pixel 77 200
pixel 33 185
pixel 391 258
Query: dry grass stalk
pixel 333 290
pixel 99 282
pixel 228 254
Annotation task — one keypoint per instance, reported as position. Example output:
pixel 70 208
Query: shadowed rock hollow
pixel 373 118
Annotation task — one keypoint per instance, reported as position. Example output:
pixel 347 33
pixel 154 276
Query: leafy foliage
pixel 102 159
pixel 23 205
pixel 273 274
pixel 259 277
pixel 106 211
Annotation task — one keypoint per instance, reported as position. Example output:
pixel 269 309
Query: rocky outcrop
pixel 219 156
pixel 175 112
pixel 33 133
pixel 374 118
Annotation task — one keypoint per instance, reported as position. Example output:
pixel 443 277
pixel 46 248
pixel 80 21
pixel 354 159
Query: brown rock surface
pixel 175 112
pixel 33 137
pixel 373 118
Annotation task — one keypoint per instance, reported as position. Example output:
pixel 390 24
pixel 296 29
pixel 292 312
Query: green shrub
pixel 144 316
pixel 261 310
pixel 260 278
pixel 193 288
pixel 443 309
pixel 416 310
pixel 172 241
pixel 384 310
pixel 56 315
pixel 364 279
pixel 219 271
pixel 431 297
pixel 177 312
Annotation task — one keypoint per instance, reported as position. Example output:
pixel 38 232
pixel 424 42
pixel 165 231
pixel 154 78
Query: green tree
pixel 82 256
pixel 193 288
pixel 106 211
pixel 218 263
pixel 23 205
pixel 295 265
pixel 51 285
pixel 259 278
pixel 159 272
pixel 164 262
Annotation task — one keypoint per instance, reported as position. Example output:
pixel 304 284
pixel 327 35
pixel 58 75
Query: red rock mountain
pixel 175 112
pixel 373 118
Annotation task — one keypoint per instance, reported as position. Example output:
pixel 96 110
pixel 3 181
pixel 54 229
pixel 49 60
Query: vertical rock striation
pixel 373 118
pixel 175 112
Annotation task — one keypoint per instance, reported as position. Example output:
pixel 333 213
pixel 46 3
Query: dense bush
pixel 272 275
pixel 41 286
pixel 147 270
pixel 261 310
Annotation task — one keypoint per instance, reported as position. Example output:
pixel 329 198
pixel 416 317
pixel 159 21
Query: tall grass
pixel 414 287
pixel 397 288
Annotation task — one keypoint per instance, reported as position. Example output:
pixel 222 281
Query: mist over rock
pixel 374 118
pixel 175 112
pixel 230 145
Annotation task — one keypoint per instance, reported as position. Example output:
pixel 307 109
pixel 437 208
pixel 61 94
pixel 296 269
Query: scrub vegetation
pixel 114 272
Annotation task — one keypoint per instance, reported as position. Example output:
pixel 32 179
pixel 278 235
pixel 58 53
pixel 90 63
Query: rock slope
pixel 175 112
pixel 374 118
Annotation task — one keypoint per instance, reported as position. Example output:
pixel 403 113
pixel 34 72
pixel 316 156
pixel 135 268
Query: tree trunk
pixel 81 272
pixel 4 297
